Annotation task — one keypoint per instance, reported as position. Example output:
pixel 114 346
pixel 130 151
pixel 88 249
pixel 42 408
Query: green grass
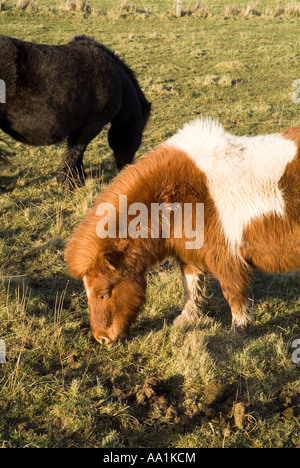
pixel 59 388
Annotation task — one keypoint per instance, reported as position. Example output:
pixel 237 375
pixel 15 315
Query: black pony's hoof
pixel 71 180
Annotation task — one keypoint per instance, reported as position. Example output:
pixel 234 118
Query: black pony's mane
pixel 118 60
pixel 108 51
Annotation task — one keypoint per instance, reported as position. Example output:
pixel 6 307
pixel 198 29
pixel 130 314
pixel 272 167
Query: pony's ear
pixel 113 259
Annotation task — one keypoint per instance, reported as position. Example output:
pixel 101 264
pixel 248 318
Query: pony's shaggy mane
pixel 135 180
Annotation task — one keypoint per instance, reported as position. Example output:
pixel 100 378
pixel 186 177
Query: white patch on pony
pixel 243 173
pixel 86 287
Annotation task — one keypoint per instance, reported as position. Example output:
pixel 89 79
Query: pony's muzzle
pixel 103 340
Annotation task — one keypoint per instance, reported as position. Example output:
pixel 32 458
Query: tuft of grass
pixel 128 10
pixel 291 10
pixel 76 6
pixel 231 10
pixel 199 10
pixel 215 80
pixel 22 5
pixel 274 11
pixel 231 65
pixel 249 10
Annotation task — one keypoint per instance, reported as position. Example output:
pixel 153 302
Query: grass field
pixel 161 387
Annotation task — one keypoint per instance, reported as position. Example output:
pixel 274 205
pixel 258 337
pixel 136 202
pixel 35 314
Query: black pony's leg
pixel 71 172
pixel 3 159
pixel 125 137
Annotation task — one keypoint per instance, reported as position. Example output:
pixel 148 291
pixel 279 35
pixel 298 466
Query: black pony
pixel 71 91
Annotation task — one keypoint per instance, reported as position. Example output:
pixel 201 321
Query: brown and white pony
pixel 250 188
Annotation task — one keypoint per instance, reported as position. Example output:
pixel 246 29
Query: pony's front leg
pixel 194 284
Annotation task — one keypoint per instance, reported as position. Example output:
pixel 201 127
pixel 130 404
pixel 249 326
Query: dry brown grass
pixel 274 11
pixel 200 10
pixel 232 11
pixel 23 5
pixel 126 10
pixel 291 10
pixel 77 6
pixel 251 9
pixel 215 80
pixel 231 65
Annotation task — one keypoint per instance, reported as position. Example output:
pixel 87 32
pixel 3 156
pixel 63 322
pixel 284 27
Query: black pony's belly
pixel 33 130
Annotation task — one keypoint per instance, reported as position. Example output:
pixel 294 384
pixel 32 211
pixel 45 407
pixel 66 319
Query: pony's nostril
pixel 103 340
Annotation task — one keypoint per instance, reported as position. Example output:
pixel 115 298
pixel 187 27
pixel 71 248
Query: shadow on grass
pixel 105 170
pixel 9 183
pixel 265 288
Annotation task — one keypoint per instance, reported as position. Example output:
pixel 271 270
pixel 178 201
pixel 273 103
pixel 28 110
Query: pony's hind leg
pixel 194 284
pixel 234 278
pixel 71 172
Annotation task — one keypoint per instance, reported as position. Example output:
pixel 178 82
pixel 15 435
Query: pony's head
pixel 115 297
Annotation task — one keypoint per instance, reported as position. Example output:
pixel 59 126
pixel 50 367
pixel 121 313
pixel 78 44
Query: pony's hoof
pixel 71 180
pixel 185 318
pixel 239 331
pixel 240 325
pixel 181 321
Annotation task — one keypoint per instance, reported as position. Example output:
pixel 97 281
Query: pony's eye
pixel 105 295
